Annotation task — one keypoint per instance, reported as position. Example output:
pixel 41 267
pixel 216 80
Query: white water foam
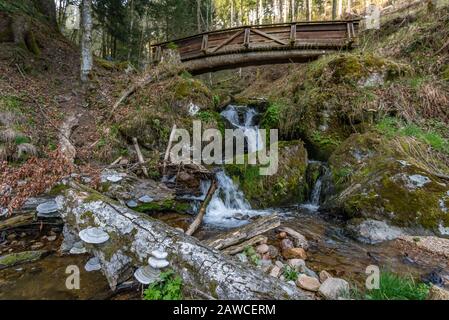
pixel 228 207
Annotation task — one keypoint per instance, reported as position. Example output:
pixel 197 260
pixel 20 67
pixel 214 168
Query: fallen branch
pixel 242 246
pixel 17 221
pixel 140 158
pixel 231 238
pixel 199 218
pixel 167 152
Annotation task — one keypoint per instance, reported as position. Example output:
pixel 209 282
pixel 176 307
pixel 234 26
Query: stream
pixel 331 247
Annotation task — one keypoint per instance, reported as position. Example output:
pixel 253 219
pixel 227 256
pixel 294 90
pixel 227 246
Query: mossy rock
pixel 287 186
pixel 169 205
pixel 376 178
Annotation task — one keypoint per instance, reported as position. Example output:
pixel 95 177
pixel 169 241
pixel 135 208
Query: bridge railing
pixel 285 36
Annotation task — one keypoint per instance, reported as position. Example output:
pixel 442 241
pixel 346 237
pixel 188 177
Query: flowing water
pixel 244 118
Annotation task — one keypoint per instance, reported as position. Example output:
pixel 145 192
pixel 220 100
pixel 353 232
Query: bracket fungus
pixel 78 248
pixel 93 235
pixel 92 265
pixel 146 199
pixel 158 254
pixel 49 209
pixel 147 275
pixel 158 264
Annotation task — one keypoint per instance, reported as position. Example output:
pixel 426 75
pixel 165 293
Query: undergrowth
pixel 391 127
pixel 169 287
pixel 395 287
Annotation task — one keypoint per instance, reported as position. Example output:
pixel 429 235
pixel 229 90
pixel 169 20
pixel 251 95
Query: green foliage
pixel 213 118
pixel 252 255
pixel 271 117
pixel 290 273
pixel 395 287
pixel 21 140
pixel 168 288
pixel 391 127
pixel 324 140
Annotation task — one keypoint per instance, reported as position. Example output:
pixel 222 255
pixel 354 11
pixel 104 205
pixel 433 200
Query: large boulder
pixel 288 185
pixel 399 180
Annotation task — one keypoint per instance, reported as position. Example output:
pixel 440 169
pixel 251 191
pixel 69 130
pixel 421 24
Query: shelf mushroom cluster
pixel 150 273
pixel 93 235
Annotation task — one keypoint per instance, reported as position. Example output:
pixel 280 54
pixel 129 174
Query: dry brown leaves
pixel 34 177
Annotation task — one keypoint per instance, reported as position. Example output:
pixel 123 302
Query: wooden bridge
pixel 262 44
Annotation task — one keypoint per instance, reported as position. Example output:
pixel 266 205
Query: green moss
pixel 163 206
pixel 271 117
pixel 59 189
pixel 288 185
pixel 212 119
pixel 19 258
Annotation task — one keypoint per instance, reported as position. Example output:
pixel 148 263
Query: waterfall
pixel 244 118
pixel 228 207
pixel 315 196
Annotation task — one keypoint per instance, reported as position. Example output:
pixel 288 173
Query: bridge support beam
pixel 244 59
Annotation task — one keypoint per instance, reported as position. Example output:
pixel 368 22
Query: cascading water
pixel 228 207
pixel 244 118
pixel 315 196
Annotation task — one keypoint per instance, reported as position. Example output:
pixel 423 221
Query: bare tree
pixel 308 5
pixel 86 40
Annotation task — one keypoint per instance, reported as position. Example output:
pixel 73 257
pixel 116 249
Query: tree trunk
pixel 198 15
pixel 86 40
pixel 48 9
pixel 133 236
pixel 308 10
pixel 334 9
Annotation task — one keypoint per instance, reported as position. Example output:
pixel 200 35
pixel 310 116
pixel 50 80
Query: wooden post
pixel 247 37
pixel 293 34
pixel 205 43
pixel 140 157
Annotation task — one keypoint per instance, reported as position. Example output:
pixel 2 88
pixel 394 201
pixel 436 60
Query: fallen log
pixel 17 221
pixel 242 246
pixel 133 236
pixel 233 237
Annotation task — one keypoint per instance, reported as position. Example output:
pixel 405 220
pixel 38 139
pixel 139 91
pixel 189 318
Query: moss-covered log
pixel 133 236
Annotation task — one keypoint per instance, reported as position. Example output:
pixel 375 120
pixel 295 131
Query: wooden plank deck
pixel 261 43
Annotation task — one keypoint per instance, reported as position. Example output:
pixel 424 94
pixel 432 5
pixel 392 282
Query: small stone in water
pixel 286 244
pixel 308 283
pixel 333 288
pixel 324 275
pixel 146 199
pixel 282 235
pixel 263 248
pixel 293 253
